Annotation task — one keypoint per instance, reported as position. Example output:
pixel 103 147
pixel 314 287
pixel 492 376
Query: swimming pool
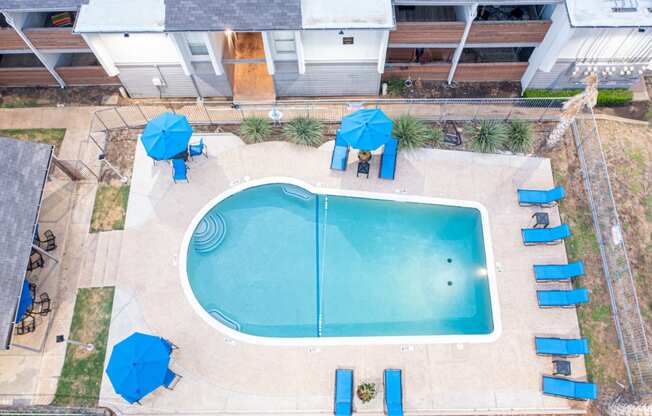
pixel 278 261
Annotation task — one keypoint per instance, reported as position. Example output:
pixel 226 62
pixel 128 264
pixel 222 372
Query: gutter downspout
pixel 12 22
pixel 472 13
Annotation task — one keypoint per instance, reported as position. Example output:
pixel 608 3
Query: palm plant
pixel 410 132
pixel 255 129
pixel 304 131
pixel 487 135
pixel 366 392
pixel 519 136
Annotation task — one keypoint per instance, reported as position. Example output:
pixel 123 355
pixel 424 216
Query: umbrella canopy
pixel 166 136
pixel 138 365
pixel 366 129
pixel 25 301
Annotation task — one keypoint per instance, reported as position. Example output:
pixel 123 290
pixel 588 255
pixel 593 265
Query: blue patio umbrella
pixel 166 136
pixel 366 129
pixel 138 365
pixel 24 302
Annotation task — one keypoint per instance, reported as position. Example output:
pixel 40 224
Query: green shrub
pixel 435 135
pixel 410 132
pixel 304 131
pixel 255 129
pixel 487 135
pixel 395 86
pixel 366 392
pixel 606 98
pixel 519 136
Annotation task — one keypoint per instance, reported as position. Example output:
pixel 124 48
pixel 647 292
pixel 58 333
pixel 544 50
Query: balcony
pixel 24 70
pixel 55 38
pixel 492 64
pixel 510 24
pixel 81 69
pixel 9 40
pixel 427 33
pixel 432 64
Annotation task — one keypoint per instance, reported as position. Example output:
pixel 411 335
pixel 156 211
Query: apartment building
pixel 38 46
pixel 261 51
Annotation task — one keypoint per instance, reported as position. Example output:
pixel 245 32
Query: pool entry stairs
pixel 209 233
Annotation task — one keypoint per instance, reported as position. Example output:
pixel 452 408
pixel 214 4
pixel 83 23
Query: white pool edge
pixel 335 341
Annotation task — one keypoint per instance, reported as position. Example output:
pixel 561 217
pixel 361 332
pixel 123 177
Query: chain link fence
pixel 609 232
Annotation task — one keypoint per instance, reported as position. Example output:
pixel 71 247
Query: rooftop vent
pixel 625 6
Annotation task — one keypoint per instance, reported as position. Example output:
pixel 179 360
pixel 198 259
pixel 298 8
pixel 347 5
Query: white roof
pixel 600 13
pixel 121 16
pixel 346 14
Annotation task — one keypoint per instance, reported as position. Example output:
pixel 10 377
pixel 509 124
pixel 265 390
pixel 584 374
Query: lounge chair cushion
pixel 180 170
pixel 393 393
pixel 343 392
pixel 571 389
pixel 388 160
pixel 545 235
pixel 561 346
pixel 547 272
pixel 537 197
pixel 562 297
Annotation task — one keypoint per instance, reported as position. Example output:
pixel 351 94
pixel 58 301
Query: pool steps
pixel 220 316
pixel 297 192
pixel 210 232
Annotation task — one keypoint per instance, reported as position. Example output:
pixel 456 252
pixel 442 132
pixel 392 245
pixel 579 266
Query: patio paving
pixel 223 376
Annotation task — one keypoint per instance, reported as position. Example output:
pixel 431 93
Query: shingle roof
pixel 28 5
pixel 237 15
pixel 23 172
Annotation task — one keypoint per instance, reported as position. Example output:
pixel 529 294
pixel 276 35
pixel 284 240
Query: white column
pixel 181 46
pixel 382 54
pixel 215 43
pixel 269 56
pixel 471 13
pixel 301 58
pixel 95 43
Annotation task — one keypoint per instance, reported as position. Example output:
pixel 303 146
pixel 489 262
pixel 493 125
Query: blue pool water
pixel 277 261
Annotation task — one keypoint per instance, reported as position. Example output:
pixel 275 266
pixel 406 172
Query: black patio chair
pixel 363 168
pixel 452 134
pixel 26 325
pixel 43 307
pixel 35 261
pixel 49 241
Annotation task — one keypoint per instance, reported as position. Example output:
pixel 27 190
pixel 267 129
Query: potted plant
pixel 366 392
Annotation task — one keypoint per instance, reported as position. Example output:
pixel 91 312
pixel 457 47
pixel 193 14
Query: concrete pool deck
pixel 224 376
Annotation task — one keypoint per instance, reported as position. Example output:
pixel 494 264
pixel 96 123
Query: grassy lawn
pixel 605 363
pixel 110 207
pixel 81 377
pixel 18 103
pixel 47 136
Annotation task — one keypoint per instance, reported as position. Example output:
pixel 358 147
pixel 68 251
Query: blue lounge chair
pixel 554 235
pixel 340 155
pixel 343 392
pixel 542 198
pixel 198 149
pixel 388 160
pixel 562 298
pixel 570 389
pixel 564 347
pixel 171 380
pixel 179 170
pixel 555 272
pixel 393 393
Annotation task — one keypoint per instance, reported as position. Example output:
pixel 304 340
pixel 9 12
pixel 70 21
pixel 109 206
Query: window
pixel 196 44
pixel 284 42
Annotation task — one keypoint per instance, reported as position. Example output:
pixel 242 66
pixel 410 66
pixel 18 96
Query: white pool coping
pixel 341 341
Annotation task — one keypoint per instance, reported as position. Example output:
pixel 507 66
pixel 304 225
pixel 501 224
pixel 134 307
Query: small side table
pixel 542 219
pixel 363 168
pixel 561 367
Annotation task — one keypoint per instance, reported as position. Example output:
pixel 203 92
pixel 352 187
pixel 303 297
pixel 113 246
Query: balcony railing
pixel 428 72
pixel 56 38
pixel 427 33
pixel 9 40
pixel 493 71
pixel 86 75
pixel 527 31
pixel 26 77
